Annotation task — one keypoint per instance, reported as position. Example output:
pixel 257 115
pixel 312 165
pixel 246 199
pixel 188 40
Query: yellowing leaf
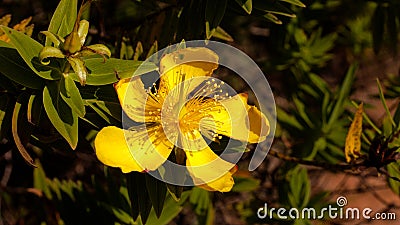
pixel 22 27
pixel 353 138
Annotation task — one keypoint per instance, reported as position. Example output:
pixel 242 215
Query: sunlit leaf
pixel 294 2
pixel 111 70
pixel 31 55
pixel 222 34
pixel 246 5
pixel 70 94
pixel 63 19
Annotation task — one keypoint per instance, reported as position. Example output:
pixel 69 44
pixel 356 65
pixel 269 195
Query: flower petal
pixel 139 149
pixel 234 118
pixel 184 64
pixel 222 184
pixel 148 145
pixel 137 104
pixel 209 171
pixel 112 150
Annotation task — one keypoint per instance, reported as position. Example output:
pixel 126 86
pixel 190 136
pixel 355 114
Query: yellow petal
pixel 353 138
pixel 148 145
pixel 112 150
pixel 222 184
pixel 139 149
pixel 234 118
pixel 135 101
pixel 184 64
pixel 210 171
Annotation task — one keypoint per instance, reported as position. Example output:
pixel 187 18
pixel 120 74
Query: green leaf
pixel 157 192
pixel 96 49
pixel 393 170
pixel 344 93
pixel 79 68
pixel 201 199
pixel 243 184
pixel 271 17
pixel 138 195
pixel 175 191
pixel 275 8
pixel 300 187
pixel 21 130
pixel 56 39
pixel 153 49
pixel 109 71
pixel 40 180
pixel 50 52
pixel 31 54
pixel 34 110
pixel 83 30
pixel 60 114
pixel 70 94
pixel 138 51
pixel 294 2
pixel 170 211
pixel 215 11
pixel 247 5
pixel 382 98
pixel 222 34
pixel 14 68
pixel 63 19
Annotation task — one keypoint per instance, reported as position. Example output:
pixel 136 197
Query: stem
pixel 316 163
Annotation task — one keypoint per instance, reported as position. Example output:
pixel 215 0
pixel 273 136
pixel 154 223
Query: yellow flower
pixel 187 106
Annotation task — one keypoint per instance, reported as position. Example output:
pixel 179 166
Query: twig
pixel 316 163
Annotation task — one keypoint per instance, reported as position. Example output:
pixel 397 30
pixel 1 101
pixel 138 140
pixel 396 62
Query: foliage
pixel 56 95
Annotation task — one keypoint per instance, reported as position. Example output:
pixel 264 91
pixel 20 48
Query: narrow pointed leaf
pixel 63 19
pixel 247 5
pixel 79 68
pixel 34 109
pixel 138 51
pixel 157 192
pixel 54 38
pixel 294 2
pixel 83 30
pixel 19 126
pixel 98 49
pixel 222 34
pixel 139 195
pixel 153 50
pixel 70 94
pixel 60 114
pixel 271 17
